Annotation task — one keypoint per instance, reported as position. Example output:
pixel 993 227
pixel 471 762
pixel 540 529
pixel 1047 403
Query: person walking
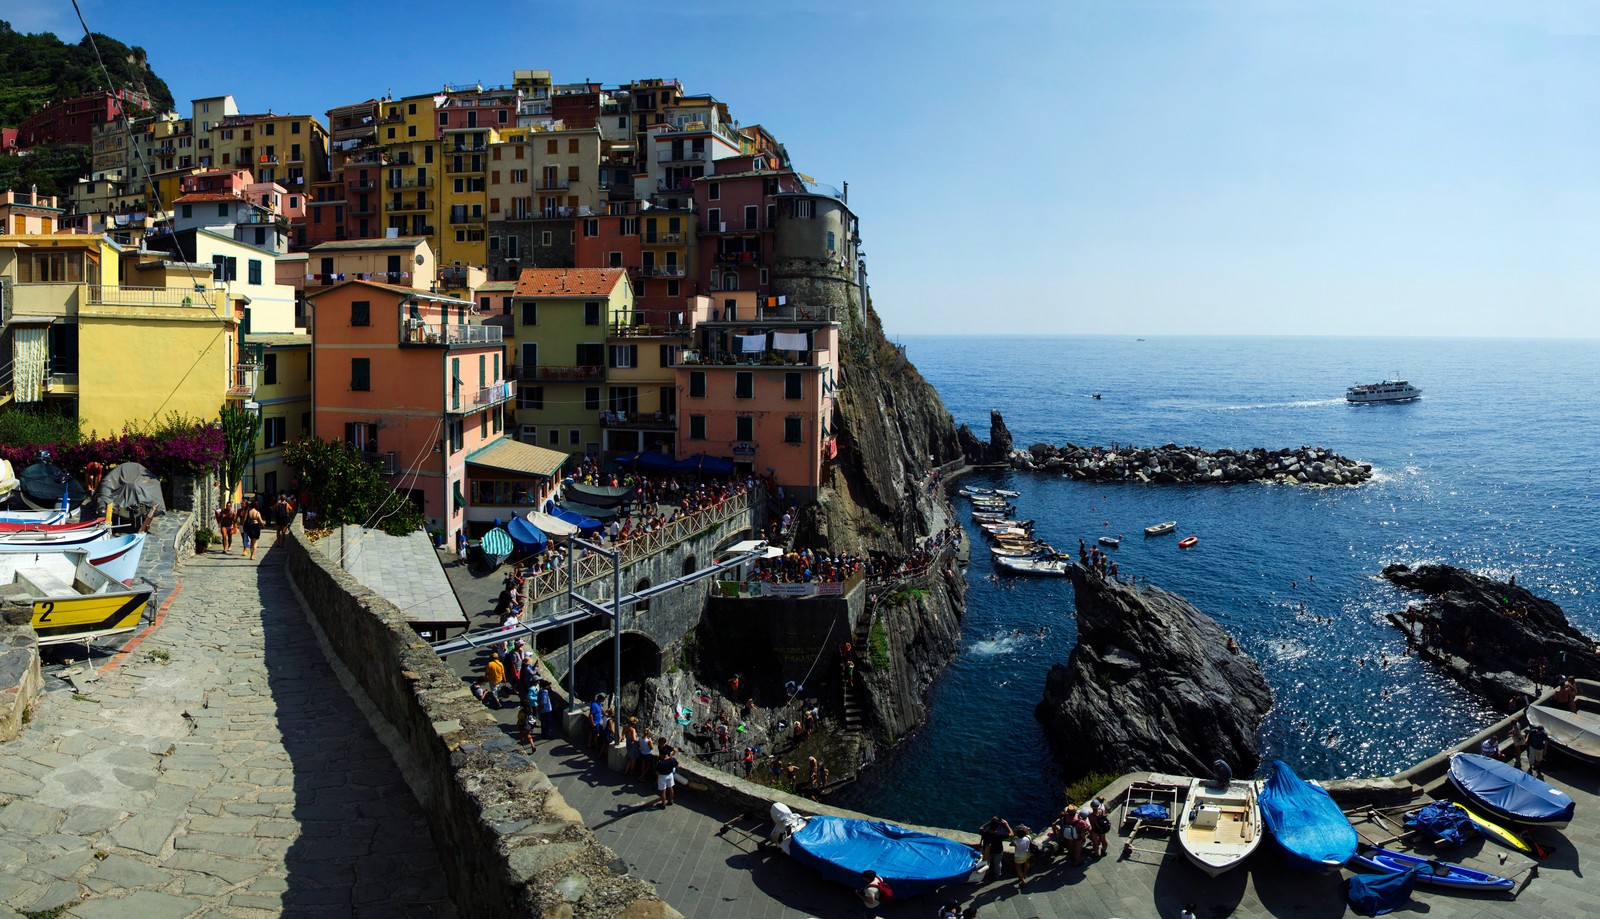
pixel 1538 743
pixel 1021 853
pixel 227 526
pixel 252 523
pixel 494 673
pixel 666 775
pixel 872 893
pixel 547 711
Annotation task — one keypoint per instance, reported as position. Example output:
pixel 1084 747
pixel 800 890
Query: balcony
pixel 650 421
pixel 454 149
pixel 664 271
pixel 198 296
pixel 419 205
pixel 647 331
pixel 562 185
pixel 362 185
pixel 463 166
pixel 384 463
pixel 491 395
pixel 544 373
pixel 409 183
pixel 665 239
pixel 368 158
pixel 417 332
pixel 245 379
pixel 364 210
pixel 736 259
pixel 735 226
pixel 459 219
pixel 453 277
pixel 392 119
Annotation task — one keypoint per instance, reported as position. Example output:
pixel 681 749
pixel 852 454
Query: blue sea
pixel 1493 470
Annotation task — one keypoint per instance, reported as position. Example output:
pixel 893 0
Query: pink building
pixel 739 206
pixel 411 380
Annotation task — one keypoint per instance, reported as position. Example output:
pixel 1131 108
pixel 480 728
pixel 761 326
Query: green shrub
pixel 878 645
pixel 1087 787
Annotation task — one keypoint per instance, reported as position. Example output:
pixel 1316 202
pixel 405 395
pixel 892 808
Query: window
pixel 188 210
pixel 530 312
pixel 513 247
pixel 529 434
pixel 294 128
pixel 305 422
pixel 714 191
pixel 546 238
pixel 791 386
pixel 591 354
pixel 613 259
pixel 361 374
pixel 591 227
pixel 831 241
pixel 483 425
pixel 458 432
pixel 591 312
pixel 222 210
pixel 274 432
pixel 555 437
pixel 255 266
pixel 411 108
pixel 805 208
pixel 269 369
pixel 444 119
pixel 530 397
pixel 624 357
pixel 792 430
pixel 751 217
pixel 361 312
pixel 744 428
pixel 574 437
pixel 713 219
pixel 224 268
pixel 697 427
pixel 744 385
pixel 672 286
pixel 697 384
pixel 494 242
pixel 591 398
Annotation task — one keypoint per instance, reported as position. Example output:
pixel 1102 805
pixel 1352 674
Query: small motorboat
pixel 973 490
pixel 495 547
pixel 1006 493
pixel 841 848
pixel 33 517
pixel 52 535
pixel 1094 395
pixel 117 556
pixel 1015 532
pixel 1161 529
pixel 1221 823
pixel 72 599
pixel 1575 733
pixel 1053 566
pixel 1188 542
pixel 1020 551
pixel 1112 541
pixel 1305 821
pixel 1434 872
pixel 43 486
pixel 1508 793
pixel 989 516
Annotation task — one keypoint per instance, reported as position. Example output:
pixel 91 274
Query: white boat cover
pixel 550 525
pixel 1577 731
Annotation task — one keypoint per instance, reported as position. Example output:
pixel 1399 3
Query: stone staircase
pixel 853 698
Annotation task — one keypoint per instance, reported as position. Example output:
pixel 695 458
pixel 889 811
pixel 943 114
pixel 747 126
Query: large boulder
pixel 999 437
pixel 1151 685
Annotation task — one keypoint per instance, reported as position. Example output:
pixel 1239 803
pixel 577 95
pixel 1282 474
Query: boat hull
pixel 1506 793
pixel 1221 827
pixel 1495 831
pixel 840 848
pixel 1305 821
pixel 1576 734
pixel 1161 529
pixel 1455 877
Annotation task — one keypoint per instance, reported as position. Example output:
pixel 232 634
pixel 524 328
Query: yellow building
pixel 561 318
pixel 410 139
pixel 283 397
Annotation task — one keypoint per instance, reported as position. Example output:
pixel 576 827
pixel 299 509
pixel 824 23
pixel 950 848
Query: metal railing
pixel 154 296
pixel 562 185
pixel 492 395
pixel 545 373
pixel 245 379
pixel 646 331
pixel 408 206
pixel 362 185
pixel 413 333
pixel 543 584
pixel 664 271
pixel 656 421
pixel 665 239
pixel 410 183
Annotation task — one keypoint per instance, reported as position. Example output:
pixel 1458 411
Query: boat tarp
pixel 44 483
pixel 1578 732
pixel 601 514
pixel 1505 788
pixel 551 526
pixel 496 544
pixel 1379 894
pixel 1305 821
pixel 526 535
pixel 840 848
pixel 598 495
pixel 1445 823
pixel 578 520
pixel 130 485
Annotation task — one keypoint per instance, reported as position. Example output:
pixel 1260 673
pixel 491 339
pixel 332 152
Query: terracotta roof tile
pixel 568 282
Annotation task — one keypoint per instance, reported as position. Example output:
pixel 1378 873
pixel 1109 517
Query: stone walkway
pixel 221 770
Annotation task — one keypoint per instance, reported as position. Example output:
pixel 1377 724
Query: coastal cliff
pixel 1494 637
pixel 1152 684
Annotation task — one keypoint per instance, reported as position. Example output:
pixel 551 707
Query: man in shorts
pixel 666 775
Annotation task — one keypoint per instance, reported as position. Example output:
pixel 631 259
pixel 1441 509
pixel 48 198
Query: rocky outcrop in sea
pixel 1153 684
pixel 1494 637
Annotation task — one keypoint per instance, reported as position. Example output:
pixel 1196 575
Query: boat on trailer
pixel 1221 823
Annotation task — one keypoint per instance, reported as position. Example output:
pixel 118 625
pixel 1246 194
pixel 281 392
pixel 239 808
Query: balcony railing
pixel 363 210
pixel 736 226
pixel 646 331
pixel 392 119
pixel 416 332
pixel 410 183
pixel 544 373
pixel 664 271
pixel 466 218
pixel 746 360
pixel 385 463
pixel 362 185
pixel 466 165
pixel 735 259
pixel 654 421
pixel 245 379
pixel 453 277
pixel 665 239
pixel 408 206
pixel 563 185
pixel 493 395
pixel 200 298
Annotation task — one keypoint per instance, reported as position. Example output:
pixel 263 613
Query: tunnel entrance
pixel 641 659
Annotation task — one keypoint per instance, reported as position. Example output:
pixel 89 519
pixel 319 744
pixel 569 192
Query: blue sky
pixel 1390 168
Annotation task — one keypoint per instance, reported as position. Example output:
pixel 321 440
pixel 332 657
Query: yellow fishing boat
pixel 72 599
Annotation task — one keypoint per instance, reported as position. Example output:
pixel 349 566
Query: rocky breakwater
pixel 1172 464
pixel 1153 684
pixel 1494 637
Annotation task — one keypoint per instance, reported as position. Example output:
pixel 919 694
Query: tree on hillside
pixel 40 68
pixel 342 487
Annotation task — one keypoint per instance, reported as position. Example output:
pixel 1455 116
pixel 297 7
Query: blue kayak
pixel 840 848
pixel 1305 821
pixel 1435 873
pixel 1509 793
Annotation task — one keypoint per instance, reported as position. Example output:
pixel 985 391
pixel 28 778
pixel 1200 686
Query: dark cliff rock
pixel 1151 685
pixel 973 450
pixel 1496 638
pixel 999 437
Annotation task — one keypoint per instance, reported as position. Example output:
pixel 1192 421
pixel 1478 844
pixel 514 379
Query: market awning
pixel 506 455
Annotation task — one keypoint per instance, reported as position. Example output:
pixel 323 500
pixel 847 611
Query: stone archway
pixel 641 659
pixel 643 606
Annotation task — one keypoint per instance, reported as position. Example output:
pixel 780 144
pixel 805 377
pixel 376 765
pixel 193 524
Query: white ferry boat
pixel 1387 391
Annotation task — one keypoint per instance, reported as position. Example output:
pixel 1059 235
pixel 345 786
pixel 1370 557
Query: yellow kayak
pixel 1496 832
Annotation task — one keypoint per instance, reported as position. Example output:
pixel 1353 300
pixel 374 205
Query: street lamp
pixel 254 408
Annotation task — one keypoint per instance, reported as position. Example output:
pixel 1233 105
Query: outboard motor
pixel 785 822
pixel 1221 774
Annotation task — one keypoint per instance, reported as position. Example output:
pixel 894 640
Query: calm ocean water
pixel 1494 469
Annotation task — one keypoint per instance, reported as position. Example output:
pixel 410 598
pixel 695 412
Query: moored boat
pixel 1056 567
pixel 1161 529
pixel 841 848
pixel 1006 493
pixel 43 487
pixel 1434 872
pixel 1305 821
pixel 72 599
pixel 1221 824
pixel 1386 391
pixel 1508 793
pixel 1112 541
pixel 33 517
pixel 1021 551
pixel 1574 733
pixel 1017 532
pixel 52 535
pixel 495 546
pixel 973 490
pixel 1188 542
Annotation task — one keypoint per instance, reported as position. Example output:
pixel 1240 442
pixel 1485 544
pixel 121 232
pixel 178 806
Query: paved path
pixel 220 771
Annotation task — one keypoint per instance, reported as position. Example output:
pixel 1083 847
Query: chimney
pixel 847 193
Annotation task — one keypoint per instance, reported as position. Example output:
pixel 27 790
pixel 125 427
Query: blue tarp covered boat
pixel 1306 822
pixel 1509 793
pixel 585 524
pixel 1434 873
pixel 911 862
pixel 528 537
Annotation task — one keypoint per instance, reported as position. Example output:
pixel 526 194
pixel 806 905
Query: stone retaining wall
pixel 509 844
pixel 20 680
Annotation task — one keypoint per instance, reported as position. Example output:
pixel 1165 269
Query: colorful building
pixel 408 133
pixel 562 318
pixel 404 261
pixel 403 376
pixel 71 121
pixel 28 213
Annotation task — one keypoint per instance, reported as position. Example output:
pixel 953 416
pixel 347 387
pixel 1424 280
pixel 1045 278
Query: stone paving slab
pixel 219 770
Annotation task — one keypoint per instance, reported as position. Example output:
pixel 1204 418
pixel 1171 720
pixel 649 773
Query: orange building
pixel 416 383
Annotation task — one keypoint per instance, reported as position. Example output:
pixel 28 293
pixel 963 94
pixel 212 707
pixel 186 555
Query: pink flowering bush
pixel 190 448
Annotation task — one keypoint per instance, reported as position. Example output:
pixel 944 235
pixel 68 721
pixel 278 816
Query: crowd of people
pixel 800 566
pixel 247 520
